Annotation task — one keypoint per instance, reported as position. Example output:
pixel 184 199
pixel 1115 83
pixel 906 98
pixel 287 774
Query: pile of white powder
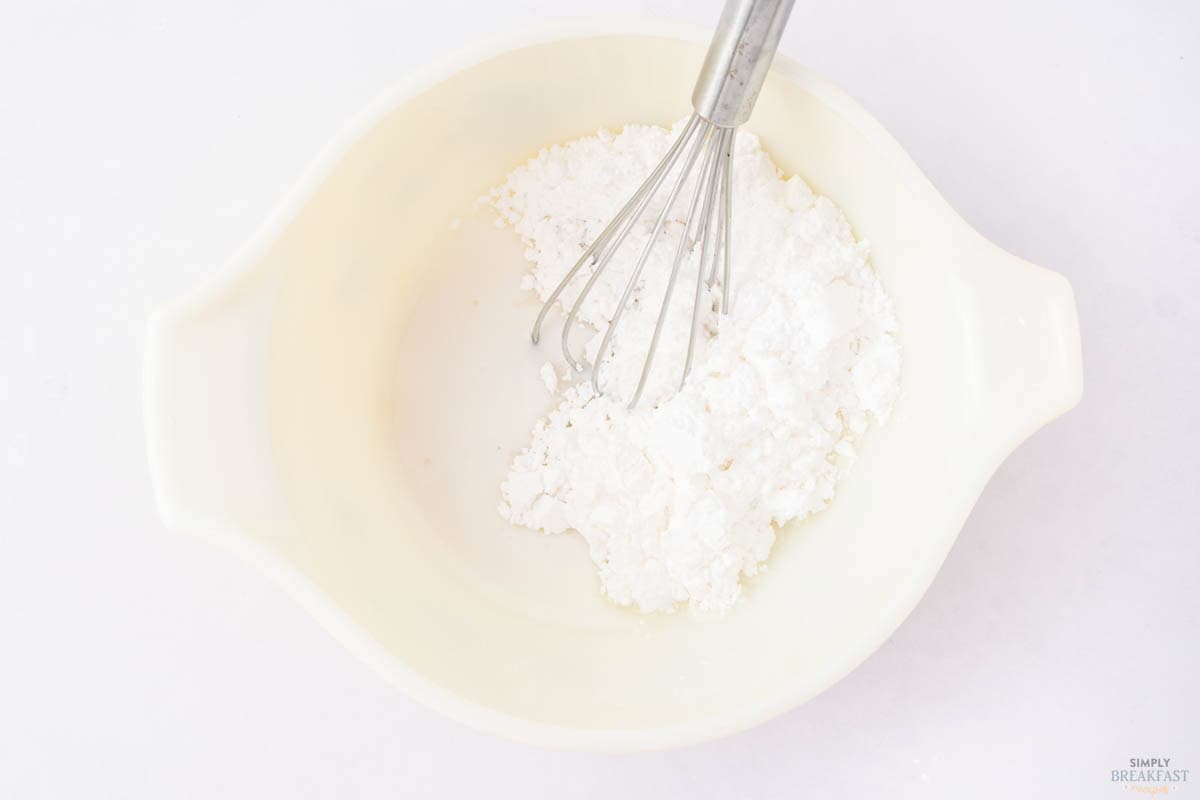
pixel 681 497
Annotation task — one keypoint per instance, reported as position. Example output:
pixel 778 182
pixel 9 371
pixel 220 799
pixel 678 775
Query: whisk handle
pixel 738 58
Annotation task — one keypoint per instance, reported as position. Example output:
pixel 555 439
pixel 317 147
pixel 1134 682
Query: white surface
pixel 1058 641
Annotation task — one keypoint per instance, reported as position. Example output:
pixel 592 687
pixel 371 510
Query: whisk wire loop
pixel 728 85
pixel 686 242
pixel 656 231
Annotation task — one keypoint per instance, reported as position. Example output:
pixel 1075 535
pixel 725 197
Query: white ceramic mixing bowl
pixel 341 405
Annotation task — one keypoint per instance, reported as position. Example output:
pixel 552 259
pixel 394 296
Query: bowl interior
pixel 402 381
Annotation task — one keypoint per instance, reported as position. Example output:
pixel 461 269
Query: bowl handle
pixel 207 430
pixel 1029 337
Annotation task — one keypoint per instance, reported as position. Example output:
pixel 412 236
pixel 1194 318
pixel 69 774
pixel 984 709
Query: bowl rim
pixel 344 629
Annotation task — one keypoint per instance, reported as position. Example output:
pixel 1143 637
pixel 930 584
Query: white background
pixel 142 142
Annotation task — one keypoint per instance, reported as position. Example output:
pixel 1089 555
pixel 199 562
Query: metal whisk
pixel 733 72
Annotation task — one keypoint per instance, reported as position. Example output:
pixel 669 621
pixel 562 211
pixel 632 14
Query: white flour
pixel 681 497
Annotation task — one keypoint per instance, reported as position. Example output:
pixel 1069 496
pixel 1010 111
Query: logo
pixel 1151 776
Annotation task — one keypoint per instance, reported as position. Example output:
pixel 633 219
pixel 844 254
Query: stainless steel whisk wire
pixel 733 72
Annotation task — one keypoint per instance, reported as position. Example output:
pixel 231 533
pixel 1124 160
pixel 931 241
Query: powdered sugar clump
pixel 681 497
